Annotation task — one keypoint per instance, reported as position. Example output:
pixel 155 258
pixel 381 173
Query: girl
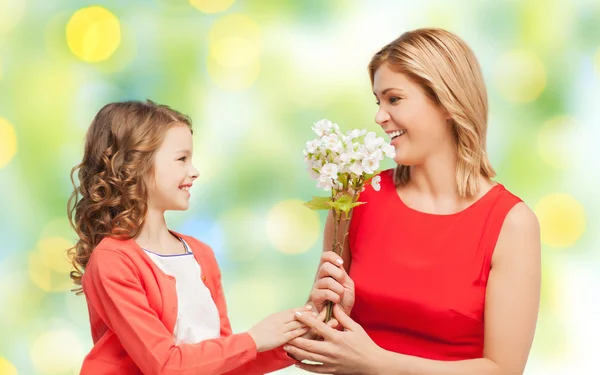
pixel 155 300
pixel 446 262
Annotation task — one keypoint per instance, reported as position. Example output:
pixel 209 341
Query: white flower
pixel 323 127
pixel 370 164
pixel 352 155
pixel 389 150
pixel 351 135
pixel 345 158
pixel 330 170
pixel 332 142
pixel 372 142
pixel 375 182
pixel 362 150
pixel 324 183
pixel 370 137
pixel 313 173
pixel 315 164
pixel 355 155
pixel 356 168
pixel 312 146
pixel 376 154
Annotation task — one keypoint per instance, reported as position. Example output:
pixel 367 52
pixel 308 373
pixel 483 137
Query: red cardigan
pixel 133 308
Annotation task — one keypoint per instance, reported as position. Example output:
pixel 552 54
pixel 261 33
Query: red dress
pixel 421 278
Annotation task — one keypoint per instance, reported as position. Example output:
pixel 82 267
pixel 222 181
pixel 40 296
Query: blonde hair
pixel 450 75
pixel 111 199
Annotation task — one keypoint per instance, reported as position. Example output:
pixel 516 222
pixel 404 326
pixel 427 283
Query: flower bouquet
pixel 342 164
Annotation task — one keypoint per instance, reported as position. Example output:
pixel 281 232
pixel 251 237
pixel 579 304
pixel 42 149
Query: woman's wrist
pixel 379 362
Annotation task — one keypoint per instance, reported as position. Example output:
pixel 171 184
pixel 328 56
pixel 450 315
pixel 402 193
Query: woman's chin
pixel 402 160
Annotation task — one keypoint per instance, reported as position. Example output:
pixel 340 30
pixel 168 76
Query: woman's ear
pixel 447 115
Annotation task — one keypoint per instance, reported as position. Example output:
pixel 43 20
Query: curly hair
pixel 111 199
pixel 448 71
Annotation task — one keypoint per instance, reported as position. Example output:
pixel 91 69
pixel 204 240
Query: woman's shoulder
pixel 505 199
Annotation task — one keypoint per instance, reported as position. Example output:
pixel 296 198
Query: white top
pixel 197 314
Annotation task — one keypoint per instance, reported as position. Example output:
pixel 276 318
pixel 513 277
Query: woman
pixel 446 262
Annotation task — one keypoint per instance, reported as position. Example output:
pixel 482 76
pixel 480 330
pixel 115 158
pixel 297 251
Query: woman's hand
pixel 332 284
pixel 350 351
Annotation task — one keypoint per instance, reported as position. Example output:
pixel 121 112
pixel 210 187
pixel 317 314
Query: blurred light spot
pixel 291 227
pixel 58 227
pixel 7 368
pixel 17 291
pixel 39 273
pixel 46 278
pixel 248 240
pixel 233 79
pixel 247 291
pixel 520 76
pixel 234 58
pixel 53 252
pixel 8 142
pixel 11 12
pixel 93 34
pixel 58 49
pixel 547 24
pixel 212 6
pixel 562 220
pixel 553 141
pixel 234 25
pixel 57 352
pixel 55 82
pixel 234 52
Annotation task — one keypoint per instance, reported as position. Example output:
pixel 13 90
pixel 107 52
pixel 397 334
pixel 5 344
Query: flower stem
pixel 338 247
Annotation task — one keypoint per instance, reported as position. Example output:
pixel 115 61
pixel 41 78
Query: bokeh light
pixel 8 142
pixel 234 52
pixel 555 141
pixel 11 12
pixel 7 368
pixel 562 220
pixel 57 352
pixel 212 6
pixel 53 252
pixel 42 270
pixel 246 237
pixel 520 76
pixel 93 34
pixel 292 228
